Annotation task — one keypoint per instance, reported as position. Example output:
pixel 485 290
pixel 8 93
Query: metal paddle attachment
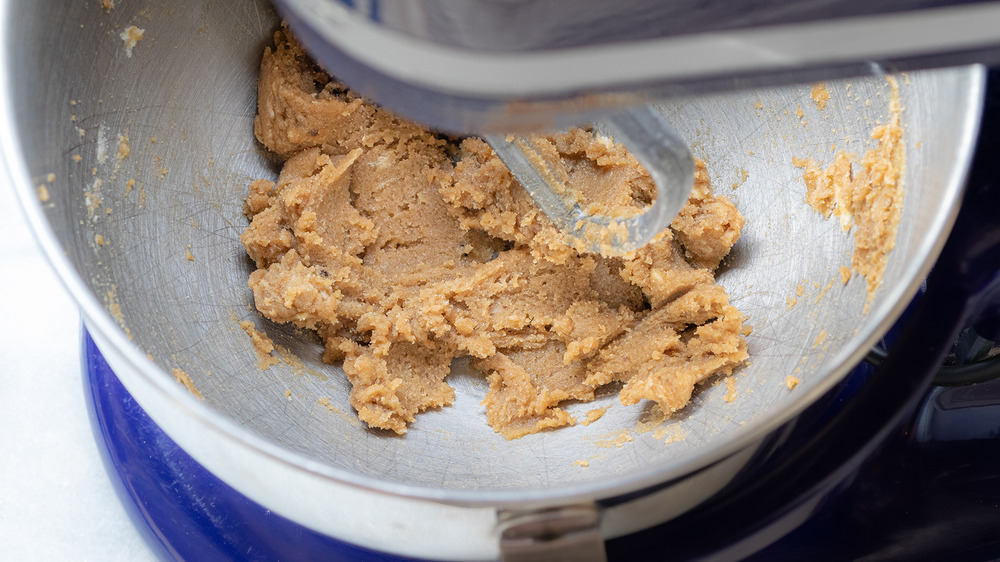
pixel 646 134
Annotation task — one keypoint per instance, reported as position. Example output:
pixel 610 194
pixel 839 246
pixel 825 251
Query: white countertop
pixel 56 502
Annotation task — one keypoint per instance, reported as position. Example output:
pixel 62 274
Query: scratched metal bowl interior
pixel 163 253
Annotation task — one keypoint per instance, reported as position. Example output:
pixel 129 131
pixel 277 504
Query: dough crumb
pixel 791 382
pixel 131 36
pixel 297 364
pixel 845 274
pixel 99 239
pixel 325 402
pixel 185 380
pixel 744 175
pixel 582 463
pixel 188 254
pixel 330 407
pixel 594 415
pixel 43 193
pixel 669 434
pixel 108 5
pixel 262 346
pixel 823 291
pixel 820 95
pixel 93 198
pixel 123 149
pixel 730 396
pixel 116 310
pixel 616 439
pixel 820 338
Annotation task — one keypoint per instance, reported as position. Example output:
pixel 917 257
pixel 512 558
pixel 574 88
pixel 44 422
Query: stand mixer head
pixel 508 66
pixel 501 66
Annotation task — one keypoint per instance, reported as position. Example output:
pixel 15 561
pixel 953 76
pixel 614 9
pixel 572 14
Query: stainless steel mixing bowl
pixel 148 246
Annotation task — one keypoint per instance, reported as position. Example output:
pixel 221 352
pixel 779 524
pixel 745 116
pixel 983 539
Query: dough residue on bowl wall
pixel 820 95
pixel 404 250
pixel 866 195
pixel 131 36
pixel 182 377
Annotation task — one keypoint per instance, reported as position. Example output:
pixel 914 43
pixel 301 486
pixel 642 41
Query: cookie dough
pixel 404 250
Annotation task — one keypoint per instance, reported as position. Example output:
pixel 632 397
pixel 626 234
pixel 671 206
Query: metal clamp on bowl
pixel 563 533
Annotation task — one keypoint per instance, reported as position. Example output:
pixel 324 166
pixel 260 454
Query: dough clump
pixel 404 250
